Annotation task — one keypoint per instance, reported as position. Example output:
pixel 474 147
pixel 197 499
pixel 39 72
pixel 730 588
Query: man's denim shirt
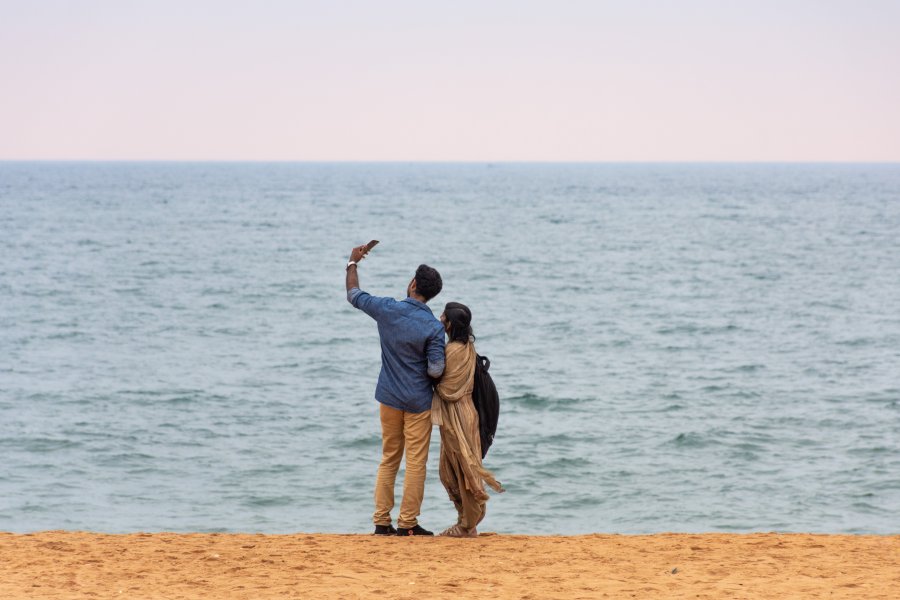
pixel 412 349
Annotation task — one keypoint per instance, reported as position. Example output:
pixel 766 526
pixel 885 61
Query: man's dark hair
pixel 428 282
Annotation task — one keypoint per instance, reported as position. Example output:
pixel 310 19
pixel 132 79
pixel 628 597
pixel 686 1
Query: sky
pixel 562 80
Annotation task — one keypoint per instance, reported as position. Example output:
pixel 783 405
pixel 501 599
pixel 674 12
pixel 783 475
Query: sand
pixel 60 564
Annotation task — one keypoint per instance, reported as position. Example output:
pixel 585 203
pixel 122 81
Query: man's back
pixel 412 349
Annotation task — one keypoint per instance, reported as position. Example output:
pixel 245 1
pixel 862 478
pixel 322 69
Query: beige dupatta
pixel 457 383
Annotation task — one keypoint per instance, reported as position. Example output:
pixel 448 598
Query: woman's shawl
pixel 456 383
pixel 458 378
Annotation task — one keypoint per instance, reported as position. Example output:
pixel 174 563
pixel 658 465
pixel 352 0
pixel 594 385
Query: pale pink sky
pixel 786 80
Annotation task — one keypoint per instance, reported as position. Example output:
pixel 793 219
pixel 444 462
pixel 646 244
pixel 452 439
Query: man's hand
pixel 358 253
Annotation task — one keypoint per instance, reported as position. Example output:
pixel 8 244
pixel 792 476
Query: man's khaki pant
pixel 399 430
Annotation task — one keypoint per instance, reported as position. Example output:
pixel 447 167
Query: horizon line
pixel 444 161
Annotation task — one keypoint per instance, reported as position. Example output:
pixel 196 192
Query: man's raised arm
pixel 356 255
pixel 373 306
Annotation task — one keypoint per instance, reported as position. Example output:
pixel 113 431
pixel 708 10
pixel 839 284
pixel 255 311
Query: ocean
pixel 677 347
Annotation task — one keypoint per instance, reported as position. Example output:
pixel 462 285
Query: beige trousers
pixel 402 430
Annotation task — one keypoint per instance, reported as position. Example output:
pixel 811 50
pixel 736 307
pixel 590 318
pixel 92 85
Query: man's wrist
pixel 351 263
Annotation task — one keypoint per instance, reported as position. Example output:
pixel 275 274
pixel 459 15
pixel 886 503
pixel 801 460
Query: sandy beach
pixel 60 564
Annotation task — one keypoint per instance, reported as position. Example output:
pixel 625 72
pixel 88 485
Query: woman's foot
pixel 459 531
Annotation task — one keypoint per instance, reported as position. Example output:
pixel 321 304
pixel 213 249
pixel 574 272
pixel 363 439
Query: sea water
pixel 677 347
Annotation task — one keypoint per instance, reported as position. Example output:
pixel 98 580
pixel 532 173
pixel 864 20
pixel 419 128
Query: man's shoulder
pixel 356 293
pixel 433 326
pixel 386 300
pixel 421 315
pixel 424 312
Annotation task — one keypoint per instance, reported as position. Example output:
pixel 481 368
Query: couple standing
pixel 423 382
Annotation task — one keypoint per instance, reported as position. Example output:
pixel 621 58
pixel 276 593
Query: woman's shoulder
pixel 458 346
pixel 459 350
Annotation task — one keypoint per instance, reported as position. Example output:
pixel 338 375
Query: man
pixel 412 355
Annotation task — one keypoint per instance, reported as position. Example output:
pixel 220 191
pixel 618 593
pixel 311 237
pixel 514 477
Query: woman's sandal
pixel 458 531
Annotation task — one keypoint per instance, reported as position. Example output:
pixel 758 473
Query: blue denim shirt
pixel 412 349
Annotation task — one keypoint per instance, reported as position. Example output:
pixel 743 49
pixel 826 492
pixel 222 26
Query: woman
pixel 452 409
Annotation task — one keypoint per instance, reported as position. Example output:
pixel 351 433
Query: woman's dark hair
pixel 428 282
pixel 459 317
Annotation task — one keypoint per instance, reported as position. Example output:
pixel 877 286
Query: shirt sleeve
pixel 374 306
pixel 435 353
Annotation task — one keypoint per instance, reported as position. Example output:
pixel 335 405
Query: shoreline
pixel 76 564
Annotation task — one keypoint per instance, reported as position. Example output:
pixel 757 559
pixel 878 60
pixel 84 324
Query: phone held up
pixel 368 248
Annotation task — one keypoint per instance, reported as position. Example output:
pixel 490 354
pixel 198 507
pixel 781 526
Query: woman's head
pixel 457 320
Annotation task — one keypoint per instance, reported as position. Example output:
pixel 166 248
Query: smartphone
pixel 370 245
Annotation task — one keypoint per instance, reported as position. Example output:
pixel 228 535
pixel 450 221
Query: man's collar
pixel 418 303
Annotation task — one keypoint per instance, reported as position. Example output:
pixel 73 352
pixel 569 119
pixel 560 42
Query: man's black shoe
pixel 385 530
pixel 417 530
